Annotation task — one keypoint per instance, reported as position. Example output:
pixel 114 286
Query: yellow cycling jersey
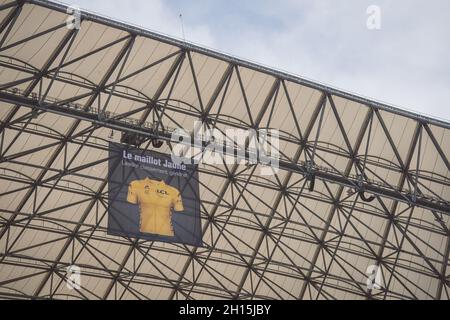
pixel 156 200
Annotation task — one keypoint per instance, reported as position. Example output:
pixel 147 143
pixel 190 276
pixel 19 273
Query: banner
pixel 152 198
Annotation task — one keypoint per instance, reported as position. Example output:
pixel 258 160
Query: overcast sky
pixel 405 63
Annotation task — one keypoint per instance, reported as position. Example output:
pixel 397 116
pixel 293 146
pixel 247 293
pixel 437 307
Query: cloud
pixel 406 63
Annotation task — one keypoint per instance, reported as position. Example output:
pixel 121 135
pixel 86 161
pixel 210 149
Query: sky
pixel 404 61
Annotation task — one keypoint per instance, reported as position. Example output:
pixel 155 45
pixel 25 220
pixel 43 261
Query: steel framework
pixel 307 232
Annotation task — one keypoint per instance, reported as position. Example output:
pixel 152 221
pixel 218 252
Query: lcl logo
pixel 163 192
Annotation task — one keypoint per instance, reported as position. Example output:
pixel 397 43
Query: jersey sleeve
pixel 178 203
pixel 132 195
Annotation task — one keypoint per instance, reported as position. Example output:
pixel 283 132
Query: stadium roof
pixel 65 93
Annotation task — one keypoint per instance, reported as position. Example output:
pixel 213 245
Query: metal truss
pixel 315 230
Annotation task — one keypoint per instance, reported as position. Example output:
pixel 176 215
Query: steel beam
pixel 399 194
